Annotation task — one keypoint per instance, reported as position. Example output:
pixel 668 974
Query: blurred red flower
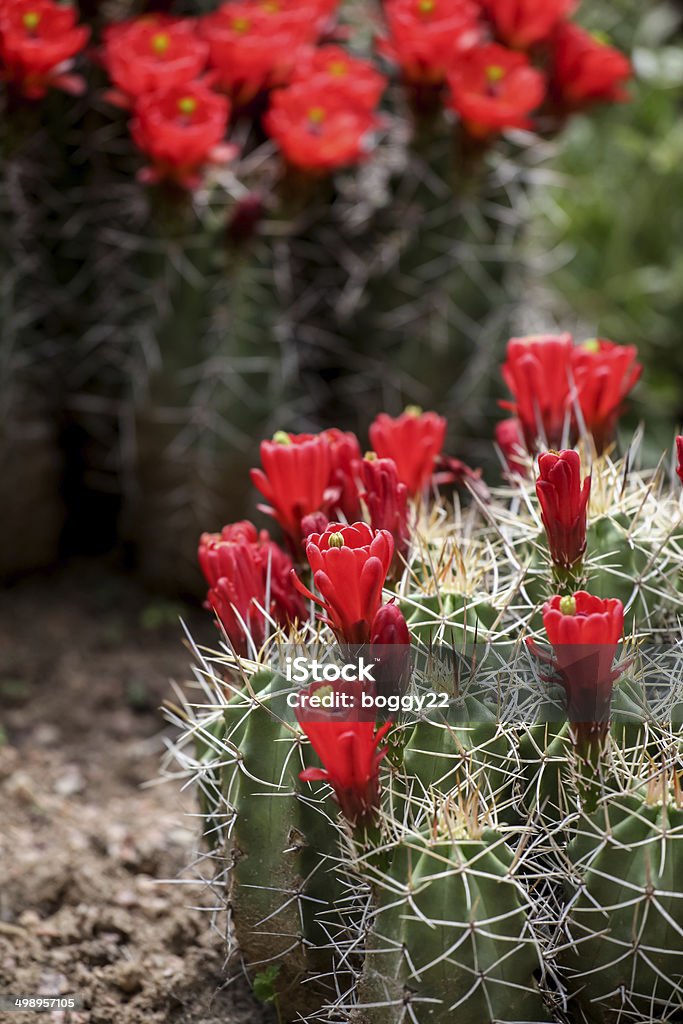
pixel 295 476
pixel 564 505
pixel 255 44
pixel 333 66
pixel 318 127
pixel 181 129
pixel 521 24
pixel 493 88
pixel 604 373
pixel 413 440
pixel 585 70
pixel 679 457
pixel 425 37
pixel 511 443
pixel 38 39
pixel 537 373
pixel 155 52
pixel 349 566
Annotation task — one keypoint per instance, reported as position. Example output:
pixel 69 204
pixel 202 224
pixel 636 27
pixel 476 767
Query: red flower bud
pixel 181 129
pixel 537 373
pixel 390 648
pixel 316 522
pixel 585 70
pixel 38 39
pixel 585 632
pixel 413 440
pixel 521 24
pixel 511 443
pixel 426 37
pixel 679 457
pixel 386 499
pixel 143 55
pixel 351 754
pixel 493 88
pixel 295 476
pixel 604 374
pixel 349 565
pixel 342 494
pixel 564 505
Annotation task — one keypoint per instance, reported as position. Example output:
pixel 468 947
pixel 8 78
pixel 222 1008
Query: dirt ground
pixel 85 661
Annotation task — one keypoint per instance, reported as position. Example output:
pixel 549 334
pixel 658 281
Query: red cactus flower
pixel 295 476
pixel 679 457
pixel 523 23
pixel 511 443
pixel 585 632
pixel 351 754
pixel 564 505
pixel 248 575
pixel 585 70
pixel 318 127
pixel 143 55
pixel 426 37
pixel 537 372
pixel 386 499
pixel 342 495
pixel 390 649
pixel 38 40
pixel 449 471
pixel 413 440
pixel 334 67
pixel 255 45
pixel 604 374
pixel 214 546
pixel 236 595
pixel 350 566
pixel 181 130
pixel 493 88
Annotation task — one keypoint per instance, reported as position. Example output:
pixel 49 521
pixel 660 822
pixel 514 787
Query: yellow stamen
pixel 187 105
pixel 337 68
pixel 370 456
pixel 281 437
pixel 413 410
pixel 316 115
pixel 495 73
pixel 591 345
pixel 336 540
pixel 426 6
pixel 31 20
pixel 568 605
pixel 241 25
pixel 161 42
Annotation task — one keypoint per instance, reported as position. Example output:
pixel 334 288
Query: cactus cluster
pixel 289 272
pixel 496 839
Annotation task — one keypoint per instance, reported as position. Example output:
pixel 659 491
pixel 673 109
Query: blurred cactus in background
pixel 283 216
pixel 605 240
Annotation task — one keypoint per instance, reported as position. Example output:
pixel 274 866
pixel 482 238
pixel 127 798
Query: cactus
pixel 476 883
pixel 450 933
pixel 31 464
pixel 622 926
